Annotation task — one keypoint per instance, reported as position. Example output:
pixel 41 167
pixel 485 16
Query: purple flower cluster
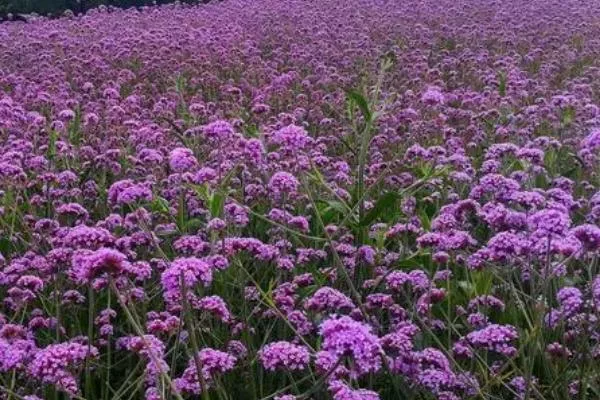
pixel 284 355
pixel 213 362
pixel 496 338
pixel 345 337
pixel 53 365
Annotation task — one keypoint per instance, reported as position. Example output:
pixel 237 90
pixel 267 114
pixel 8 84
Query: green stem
pixel 106 388
pixel 88 373
pixel 140 332
pixel 192 335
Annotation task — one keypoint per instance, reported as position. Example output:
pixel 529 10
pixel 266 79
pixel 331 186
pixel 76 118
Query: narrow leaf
pixel 361 102
pixel 383 205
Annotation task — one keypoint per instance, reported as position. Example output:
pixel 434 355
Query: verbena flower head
pixel 344 336
pixel 497 338
pixel 182 159
pixel 187 272
pixel 53 364
pixel 284 355
pixel 213 362
pixel 87 265
pixel 328 299
pixel 283 183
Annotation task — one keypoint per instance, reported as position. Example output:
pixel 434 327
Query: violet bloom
pixel 497 338
pixel 329 299
pixel 191 271
pixel 87 265
pixel 152 351
pixel 291 137
pixel 433 96
pixel 83 236
pixel 596 292
pixel 341 391
pixel 182 159
pixel 283 183
pixel 134 194
pixel 53 364
pixel 588 235
pixel 592 141
pixel 218 130
pixel 547 222
pixel 284 355
pixel 347 337
pixel 214 305
pixel 16 351
pixel 213 362
pixel 570 300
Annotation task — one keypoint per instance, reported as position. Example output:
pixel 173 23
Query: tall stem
pixel 106 387
pixel 90 333
pixel 140 332
pixel 192 334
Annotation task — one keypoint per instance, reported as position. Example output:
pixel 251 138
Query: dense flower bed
pixel 361 199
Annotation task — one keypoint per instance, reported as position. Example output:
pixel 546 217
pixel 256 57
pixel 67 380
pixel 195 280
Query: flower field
pixel 294 200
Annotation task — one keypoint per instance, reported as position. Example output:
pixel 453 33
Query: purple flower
pixel 435 380
pixel 341 391
pixel 345 336
pixel 284 355
pixel 570 300
pixel 189 271
pixel 182 159
pixel 328 299
pixel 87 237
pixel 596 292
pixel 216 306
pixel 205 175
pixel 495 338
pixel 213 362
pixel 548 222
pixel 152 350
pixel 592 141
pixel 432 96
pixel 218 130
pixel 283 183
pixel 16 351
pixel 588 235
pixel 292 137
pixel 87 265
pixel 53 364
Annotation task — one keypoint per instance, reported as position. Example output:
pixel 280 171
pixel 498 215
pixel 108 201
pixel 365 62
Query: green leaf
pixel 75 129
pixel 384 204
pixel 193 224
pixel 252 131
pixel 181 214
pixel 227 178
pixel 467 287
pixel 578 159
pixel 425 220
pixel 483 282
pixel 52 144
pixel 202 191
pixel 216 204
pixel 160 205
pixel 337 206
pixel 502 83
pixel 330 209
pixel 361 102
pixel 568 115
